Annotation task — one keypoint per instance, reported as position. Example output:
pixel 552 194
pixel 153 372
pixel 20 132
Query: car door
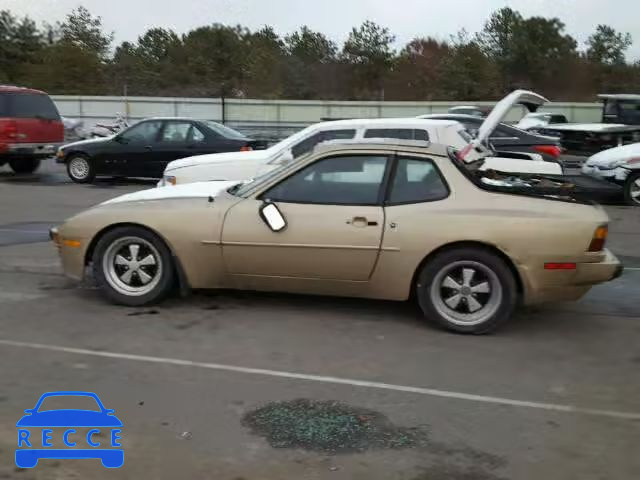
pixel 334 224
pixel 173 144
pixel 138 144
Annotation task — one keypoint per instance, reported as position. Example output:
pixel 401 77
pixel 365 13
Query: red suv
pixel 30 128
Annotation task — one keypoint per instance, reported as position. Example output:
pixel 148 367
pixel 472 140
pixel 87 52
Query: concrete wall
pixel 276 118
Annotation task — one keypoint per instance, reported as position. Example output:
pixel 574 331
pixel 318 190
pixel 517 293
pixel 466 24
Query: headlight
pixel 59 153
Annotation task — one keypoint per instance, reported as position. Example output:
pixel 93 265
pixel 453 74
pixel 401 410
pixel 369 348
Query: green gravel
pixel 328 427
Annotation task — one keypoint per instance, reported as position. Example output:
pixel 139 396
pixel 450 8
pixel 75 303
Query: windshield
pixel 225 131
pixel 289 141
pixel 69 402
pixel 242 189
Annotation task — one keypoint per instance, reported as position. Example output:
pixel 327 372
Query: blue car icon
pixel 32 446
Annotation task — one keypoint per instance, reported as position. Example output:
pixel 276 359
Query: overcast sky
pixel 406 18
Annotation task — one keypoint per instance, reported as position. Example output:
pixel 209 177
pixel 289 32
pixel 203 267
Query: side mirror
pixel 271 215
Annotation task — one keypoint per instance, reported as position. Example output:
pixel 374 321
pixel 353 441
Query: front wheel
pixel 632 189
pixel 80 169
pixel 133 267
pixel 26 165
pixel 467 290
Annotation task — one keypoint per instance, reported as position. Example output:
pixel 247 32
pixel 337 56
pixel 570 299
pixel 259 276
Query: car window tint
pixel 341 180
pixel 196 135
pixel 175 132
pixel 28 105
pixel 400 133
pixel 611 107
pixel 64 402
pixel 308 144
pixel 503 132
pixel 417 181
pixel 144 132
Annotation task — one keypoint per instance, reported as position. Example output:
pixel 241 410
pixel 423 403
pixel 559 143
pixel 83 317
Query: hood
pixel 218 158
pixel 188 190
pixel 615 155
pixel 478 148
pixel 87 142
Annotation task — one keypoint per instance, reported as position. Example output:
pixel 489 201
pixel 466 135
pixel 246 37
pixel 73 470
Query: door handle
pixel 148 147
pixel 361 222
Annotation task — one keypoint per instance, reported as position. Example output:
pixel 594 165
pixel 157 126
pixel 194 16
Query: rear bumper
pixel 44 150
pixel 543 286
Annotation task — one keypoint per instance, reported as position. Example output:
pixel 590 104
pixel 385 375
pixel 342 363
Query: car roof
pixel 619 96
pixel 16 89
pixel 387 146
pixel 379 122
pixel 452 116
pixel 181 119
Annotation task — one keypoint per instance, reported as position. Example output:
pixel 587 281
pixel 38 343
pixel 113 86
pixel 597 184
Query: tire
pixel 25 165
pixel 80 169
pixel 448 296
pixel 132 276
pixel 632 189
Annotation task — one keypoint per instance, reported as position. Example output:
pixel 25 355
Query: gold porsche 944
pixel 377 220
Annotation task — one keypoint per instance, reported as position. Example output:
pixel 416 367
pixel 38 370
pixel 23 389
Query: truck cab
pixel 621 108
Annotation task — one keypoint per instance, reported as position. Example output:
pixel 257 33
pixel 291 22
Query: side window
pixel 502 132
pixel 342 180
pixel 308 144
pixel 611 107
pixel 401 133
pixel 417 181
pixel 196 135
pixel 175 132
pixel 144 132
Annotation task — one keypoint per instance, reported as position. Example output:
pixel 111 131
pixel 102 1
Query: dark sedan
pixel 506 138
pixel 145 149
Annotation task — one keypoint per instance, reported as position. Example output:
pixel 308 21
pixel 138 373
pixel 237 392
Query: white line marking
pixel 335 380
pixel 632 269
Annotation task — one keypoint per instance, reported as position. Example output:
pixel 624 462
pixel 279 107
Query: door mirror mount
pixel 272 216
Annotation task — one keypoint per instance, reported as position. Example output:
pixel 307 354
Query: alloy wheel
pixel 466 293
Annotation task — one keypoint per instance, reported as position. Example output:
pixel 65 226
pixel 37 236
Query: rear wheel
pixel 25 165
pixel 632 189
pixel 467 290
pixel 133 267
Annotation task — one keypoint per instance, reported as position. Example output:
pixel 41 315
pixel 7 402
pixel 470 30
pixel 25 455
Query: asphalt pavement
pixel 553 395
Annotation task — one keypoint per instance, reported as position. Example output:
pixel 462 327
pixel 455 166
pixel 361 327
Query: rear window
pixel 28 105
pixel 400 133
pixel 225 131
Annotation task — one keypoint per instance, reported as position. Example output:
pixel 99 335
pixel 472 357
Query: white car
pixel 619 165
pixel 246 165
pixel 540 119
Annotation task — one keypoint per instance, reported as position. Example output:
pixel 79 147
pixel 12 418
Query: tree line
pixel 77 56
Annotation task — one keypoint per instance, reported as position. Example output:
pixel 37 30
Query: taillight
pixel 599 239
pixel 9 129
pixel 552 150
pixel 246 148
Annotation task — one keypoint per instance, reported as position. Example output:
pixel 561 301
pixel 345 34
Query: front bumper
pixel 616 175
